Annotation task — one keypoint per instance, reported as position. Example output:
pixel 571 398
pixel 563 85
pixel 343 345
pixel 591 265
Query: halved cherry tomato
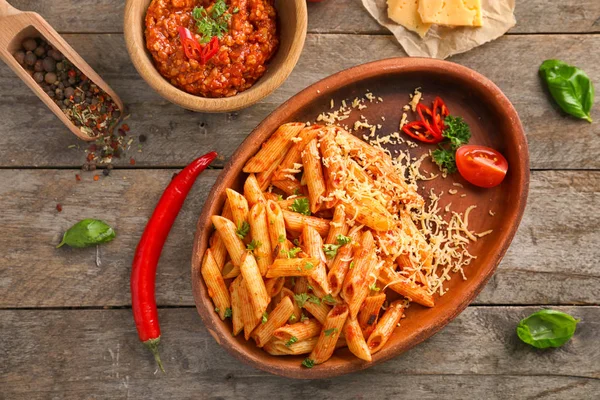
pixel 427 117
pixel 482 166
pixel 440 112
pixel 420 131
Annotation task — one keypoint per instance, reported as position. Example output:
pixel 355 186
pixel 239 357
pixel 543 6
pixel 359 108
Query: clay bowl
pixel 493 121
pixel 292 20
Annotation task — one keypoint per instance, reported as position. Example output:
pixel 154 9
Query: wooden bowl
pixel 292 20
pixel 493 121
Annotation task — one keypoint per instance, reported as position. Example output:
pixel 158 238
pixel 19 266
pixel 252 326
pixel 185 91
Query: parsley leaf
pixel 308 266
pixel 314 299
pixel 236 10
pixel 279 197
pixel 329 299
pixel 445 159
pixel 332 249
pixel 215 24
pixel 281 238
pixel 292 253
pixel 292 340
pixel 243 230
pixel 253 245
pixel 374 287
pixel 265 317
pixel 351 264
pixel 308 363
pixel 292 319
pixel 301 206
pixel 301 298
pixel 217 309
pixel 329 332
pixel 228 312
pixel 457 130
pixel 303 317
pixel 342 240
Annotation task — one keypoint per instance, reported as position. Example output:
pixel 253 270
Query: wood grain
pixel 99 356
pixel 30 136
pixel 552 260
pixel 331 16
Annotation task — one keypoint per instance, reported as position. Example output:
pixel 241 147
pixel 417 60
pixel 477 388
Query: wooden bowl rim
pixel 280 115
pixel 142 61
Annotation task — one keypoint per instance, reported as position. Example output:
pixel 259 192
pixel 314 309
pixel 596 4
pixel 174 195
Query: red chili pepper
pixel 420 131
pixel 440 112
pixel 426 116
pixel 191 47
pixel 147 253
pixel 210 50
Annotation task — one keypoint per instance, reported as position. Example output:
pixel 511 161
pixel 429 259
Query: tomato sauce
pixel 247 46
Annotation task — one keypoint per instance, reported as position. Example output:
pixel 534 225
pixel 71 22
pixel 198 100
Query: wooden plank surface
pixel 95 354
pixel 32 136
pixel 330 16
pixel 553 259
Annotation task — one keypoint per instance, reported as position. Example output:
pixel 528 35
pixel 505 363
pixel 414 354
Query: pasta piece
pixel 406 288
pixel 219 251
pixel 313 173
pixel 278 144
pixel 260 237
pixel 264 178
pixel 295 317
pixel 249 316
pixel 301 285
pixel 296 222
pixel 386 325
pixel 279 347
pixel 236 305
pixel 274 286
pixel 287 203
pixel 362 289
pixel 277 234
pixel 356 341
pixel 369 314
pixel 336 172
pixel 293 158
pixel 338 225
pixel 239 211
pixel 217 290
pixel 230 271
pixel 332 327
pixel 235 247
pixel 289 186
pixel 342 262
pixel 254 284
pixel 292 267
pixel 369 217
pixel 278 317
pixel 318 310
pixel 300 331
pixel 425 250
pixel 252 191
pixel 313 246
pixel 356 277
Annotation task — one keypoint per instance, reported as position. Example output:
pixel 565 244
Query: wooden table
pixel 66 325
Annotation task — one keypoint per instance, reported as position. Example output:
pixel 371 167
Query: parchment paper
pixel 442 41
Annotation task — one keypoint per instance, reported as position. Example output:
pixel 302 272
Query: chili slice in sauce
pixel 191 47
pixel 419 130
pixel 428 120
pixel 210 50
pixel 440 112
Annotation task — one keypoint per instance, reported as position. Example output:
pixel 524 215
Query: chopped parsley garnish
pixel 332 249
pixel 281 238
pixel 292 340
pixel 297 242
pixel 301 298
pixel 228 312
pixel 242 230
pixel 253 245
pixel 292 253
pixel 458 133
pixel 329 332
pixel 314 299
pixel 374 287
pixel 308 363
pixel 292 319
pixel 303 317
pixel 351 264
pixel 301 206
pixel 213 24
pixel 308 266
pixel 236 10
pixel 217 309
pixel 329 299
pixel 265 318
pixel 445 159
pixel 279 197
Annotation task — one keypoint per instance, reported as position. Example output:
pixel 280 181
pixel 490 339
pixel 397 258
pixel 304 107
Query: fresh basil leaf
pixel 88 232
pixel 570 87
pixel 547 328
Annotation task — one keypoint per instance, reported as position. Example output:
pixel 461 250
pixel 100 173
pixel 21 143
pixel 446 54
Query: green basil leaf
pixel 570 87
pixel 88 232
pixel 547 328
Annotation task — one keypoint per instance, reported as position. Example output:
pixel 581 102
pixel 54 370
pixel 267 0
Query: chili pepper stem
pixel 152 345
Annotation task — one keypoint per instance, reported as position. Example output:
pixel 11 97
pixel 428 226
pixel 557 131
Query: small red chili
pixel 191 47
pixel 440 112
pixel 210 50
pixel 419 131
pixel 426 116
pixel 147 253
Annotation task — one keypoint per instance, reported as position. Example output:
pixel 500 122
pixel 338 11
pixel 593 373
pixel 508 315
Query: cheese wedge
pixel 405 13
pixel 451 12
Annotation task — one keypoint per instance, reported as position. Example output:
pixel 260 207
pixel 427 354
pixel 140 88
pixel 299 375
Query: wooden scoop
pixel 15 26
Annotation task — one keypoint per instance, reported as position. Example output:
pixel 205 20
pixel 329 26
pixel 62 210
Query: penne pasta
pixel 293 267
pixel 330 332
pixel 299 331
pixel 338 225
pixel 369 314
pixel 363 288
pixel 278 144
pixel 301 285
pixel 296 316
pixel 403 286
pixel 252 191
pixel 288 186
pixel 234 245
pixel 274 286
pixel 278 347
pixel 363 257
pixel 230 271
pixel 293 158
pixel 277 233
pixel 254 284
pixel 217 290
pixel 335 169
pixel 287 203
pixel 264 178
pixel 425 250
pixel 219 251
pixel 236 305
pixel 386 325
pixel 342 262
pixel 318 310
pixel 313 173
pixel 369 217
pixel 355 339
pixel 260 237
pixel 296 222
pixel 313 246
pixel 239 211
pixel 249 317
pixel 277 318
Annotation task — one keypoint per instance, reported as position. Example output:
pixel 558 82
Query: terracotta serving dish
pixel 292 20
pixel 493 121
